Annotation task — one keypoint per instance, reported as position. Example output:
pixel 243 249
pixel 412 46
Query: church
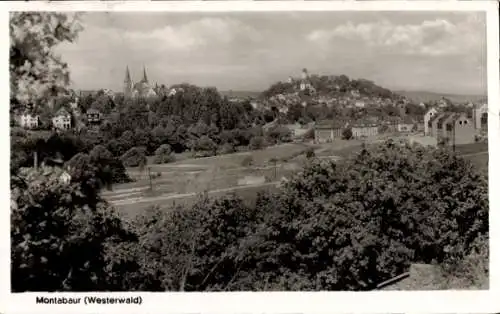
pixel 140 89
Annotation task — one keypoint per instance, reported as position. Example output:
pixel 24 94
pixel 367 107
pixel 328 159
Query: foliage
pixel 205 146
pixel 58 234
pixel 279 134
pixel 227 148
pixel 347 134
pixel 135 157
pixel 257 142
pixel 36 72
pixel 163 154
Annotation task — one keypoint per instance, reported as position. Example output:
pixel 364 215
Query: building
pixel 427 117
pixel 359 104
pixel 440 131
pixel 453 128
pixel 361 129
pixel 480 116
pixel 461 130
pixel 140 89
pixel 62 120
pixel 432 124
pixel 93 116
pixel 406 125
pixel 305 83
pixel 29 120
pixel 327 131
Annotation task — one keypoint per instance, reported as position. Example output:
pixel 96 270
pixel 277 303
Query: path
pixel 176 196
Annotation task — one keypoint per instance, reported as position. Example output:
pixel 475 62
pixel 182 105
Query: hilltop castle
pixel 139 89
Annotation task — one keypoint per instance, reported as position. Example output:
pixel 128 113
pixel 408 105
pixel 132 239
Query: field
pixel 182 181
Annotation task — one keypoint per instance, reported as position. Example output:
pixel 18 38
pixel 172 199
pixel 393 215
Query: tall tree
pixel 37 73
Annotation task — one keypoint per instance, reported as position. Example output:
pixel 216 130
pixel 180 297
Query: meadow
pixel 241 173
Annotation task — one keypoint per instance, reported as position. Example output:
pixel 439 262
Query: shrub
pixel 279 134
pixel 257 143
pixel 134 157
pixel 310 153
pixel 205 146
pixel 347 134
pixel 65 248
pixel 163 155
pixel 227 148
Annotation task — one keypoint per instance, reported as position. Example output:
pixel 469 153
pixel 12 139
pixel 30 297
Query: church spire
pixel 127 88
pixel 145 78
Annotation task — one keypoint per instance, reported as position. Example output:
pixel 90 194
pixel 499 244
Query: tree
pixel 163 154
pixel 36 72
pixel 204 146
pixel 59 234
pixel 134 157
pixel 347 134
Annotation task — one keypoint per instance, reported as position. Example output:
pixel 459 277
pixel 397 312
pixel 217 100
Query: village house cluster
pixel 71 117
pixel 436 126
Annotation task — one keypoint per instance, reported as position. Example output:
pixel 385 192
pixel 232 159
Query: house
pixel 62 120
pixel 362 129
pixel 359 104
pixel 29 120
pixel 439 124
pixel 444 129
pixel 480 116
pixel 433 124
pixel 427 117
pixel 327 131
pixel 93 116
pixel 461 130
pixel 406 125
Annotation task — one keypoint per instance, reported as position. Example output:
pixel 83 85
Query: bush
pixel 257 143
pixel 279 134
pixel 347 134
pixel 205 147
pixel 65 248
pixel 134 157
pixel 227 149
pixel 310 153
pixel 163 155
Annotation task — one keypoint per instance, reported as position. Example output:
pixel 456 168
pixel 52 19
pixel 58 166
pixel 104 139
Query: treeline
pixel 334 226
pixel 195 119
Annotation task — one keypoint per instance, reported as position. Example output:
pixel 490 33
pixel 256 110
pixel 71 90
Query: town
pixel 320 181
pixel 440 122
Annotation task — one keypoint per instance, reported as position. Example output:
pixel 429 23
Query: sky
pixel 416 51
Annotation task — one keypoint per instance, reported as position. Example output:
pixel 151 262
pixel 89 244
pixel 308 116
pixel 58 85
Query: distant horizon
pixel 260 91
pixel 398 50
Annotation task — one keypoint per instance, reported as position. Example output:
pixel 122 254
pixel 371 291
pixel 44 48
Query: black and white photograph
pixel 169 151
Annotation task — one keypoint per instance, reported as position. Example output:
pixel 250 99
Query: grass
pixel 196 175
pixel 190 175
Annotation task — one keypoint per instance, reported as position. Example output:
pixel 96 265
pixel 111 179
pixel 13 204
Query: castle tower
pixel 127 84
pixel 305 74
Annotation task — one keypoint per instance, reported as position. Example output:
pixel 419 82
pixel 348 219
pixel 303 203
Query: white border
pixel 293 302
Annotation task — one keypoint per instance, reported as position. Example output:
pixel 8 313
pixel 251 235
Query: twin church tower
pixel 139 89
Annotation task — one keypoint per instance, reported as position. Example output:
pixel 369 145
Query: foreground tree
pixel 59 234
pixel 36 73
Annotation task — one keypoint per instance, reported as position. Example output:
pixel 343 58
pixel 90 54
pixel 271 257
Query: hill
pixel 240 94
pixel 423 96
